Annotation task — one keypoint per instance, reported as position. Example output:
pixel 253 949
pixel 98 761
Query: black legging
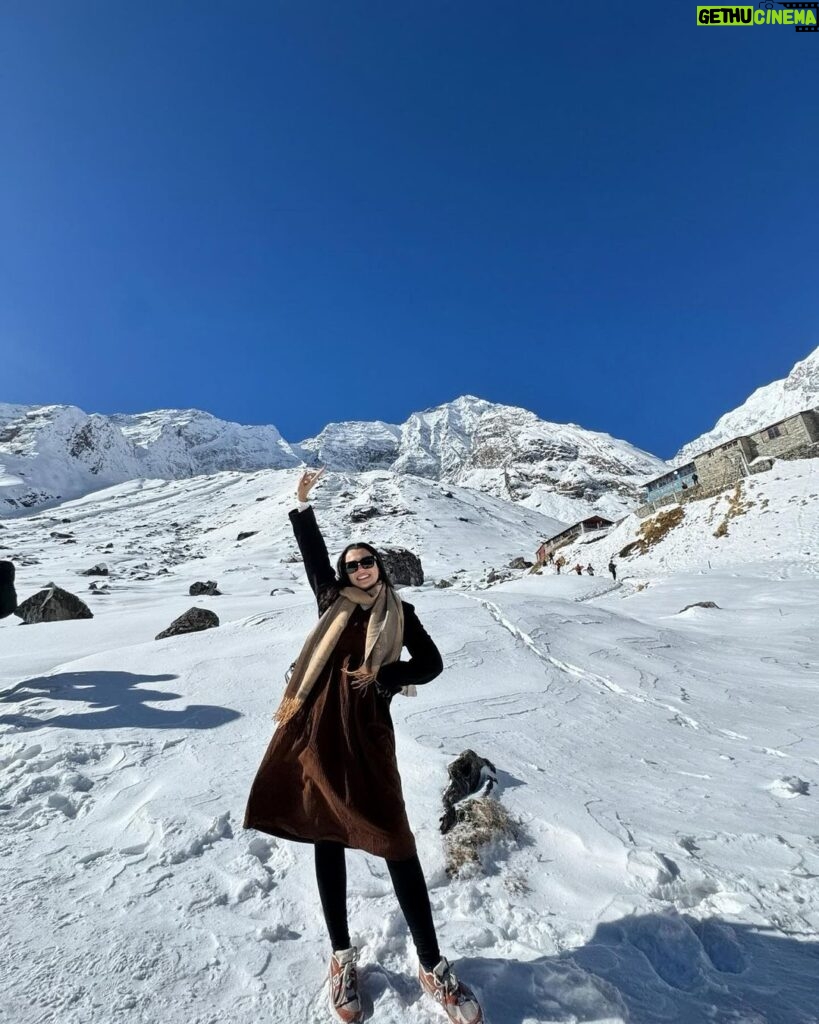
pixel 410 888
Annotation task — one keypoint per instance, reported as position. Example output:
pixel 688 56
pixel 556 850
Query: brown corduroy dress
pixel 330 772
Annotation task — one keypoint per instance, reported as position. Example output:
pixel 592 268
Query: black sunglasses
pixel 365 563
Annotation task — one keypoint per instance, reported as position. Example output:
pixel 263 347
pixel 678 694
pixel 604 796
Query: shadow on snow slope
pixel 116 693
pixel 653 968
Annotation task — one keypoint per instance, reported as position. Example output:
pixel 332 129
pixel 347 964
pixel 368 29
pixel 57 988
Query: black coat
pixel 8 595
pixel 425 661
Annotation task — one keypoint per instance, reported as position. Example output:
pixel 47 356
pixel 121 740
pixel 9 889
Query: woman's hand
pixel 307 481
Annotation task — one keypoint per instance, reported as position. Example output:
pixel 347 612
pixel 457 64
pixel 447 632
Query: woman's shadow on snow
pixel 646 969
pixel 113 700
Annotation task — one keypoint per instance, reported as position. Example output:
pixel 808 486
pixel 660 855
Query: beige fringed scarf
pixel 385 635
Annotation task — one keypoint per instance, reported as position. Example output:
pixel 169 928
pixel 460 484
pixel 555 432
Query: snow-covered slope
pixel 52 452
pixel 172 522
pixel 663 766
pixel 57 451
pixel 187 442
pixel 798 391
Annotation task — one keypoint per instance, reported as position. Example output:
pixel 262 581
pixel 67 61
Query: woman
pixel 329 775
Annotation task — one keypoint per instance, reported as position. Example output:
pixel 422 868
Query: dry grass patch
pixel 481 822
pixel 738 505
pixel 653 530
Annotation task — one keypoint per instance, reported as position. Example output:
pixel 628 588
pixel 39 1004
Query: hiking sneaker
pixel 344 1001
pixel 454 996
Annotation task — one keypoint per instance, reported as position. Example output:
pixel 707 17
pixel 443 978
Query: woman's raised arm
pixel 313 549
pixel 309 539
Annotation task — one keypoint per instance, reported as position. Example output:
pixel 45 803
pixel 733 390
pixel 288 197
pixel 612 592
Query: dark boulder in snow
pixel 192 621
pixel 361 515
pixel 52 605
pixel 403 567
pixel 467 774
pixel 792 785
pixel 100 569
pixel 247 533
pixel 209 589
pixel 477 827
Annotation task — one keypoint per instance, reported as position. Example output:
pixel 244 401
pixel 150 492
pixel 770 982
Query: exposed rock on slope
pixel 53 604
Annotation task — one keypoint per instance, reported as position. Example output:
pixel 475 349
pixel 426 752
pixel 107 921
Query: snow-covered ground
pixel 664 765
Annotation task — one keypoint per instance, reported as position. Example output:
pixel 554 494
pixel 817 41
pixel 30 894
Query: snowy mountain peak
pixel 768 404
pixel 356 445
pixel 562 470
pixel 58 451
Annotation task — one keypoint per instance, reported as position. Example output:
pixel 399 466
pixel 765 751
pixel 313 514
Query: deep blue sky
pixel 301 212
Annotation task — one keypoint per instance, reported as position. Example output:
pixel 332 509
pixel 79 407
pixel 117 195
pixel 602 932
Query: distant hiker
pixel 8 595
pixel 578 569
pixel 590 569
pixel 613 570
pixel 560 561
pixel 329 776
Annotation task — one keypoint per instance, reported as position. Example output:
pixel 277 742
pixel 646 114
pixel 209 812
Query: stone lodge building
pixel 795 437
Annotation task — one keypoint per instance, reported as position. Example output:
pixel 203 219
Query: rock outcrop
pixel 209 589
pixel 192 621
pixel 53 604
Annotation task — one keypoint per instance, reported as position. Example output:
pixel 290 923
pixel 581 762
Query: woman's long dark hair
pixel 329 594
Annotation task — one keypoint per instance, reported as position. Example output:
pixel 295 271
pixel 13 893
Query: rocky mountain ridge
pixel 56 452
